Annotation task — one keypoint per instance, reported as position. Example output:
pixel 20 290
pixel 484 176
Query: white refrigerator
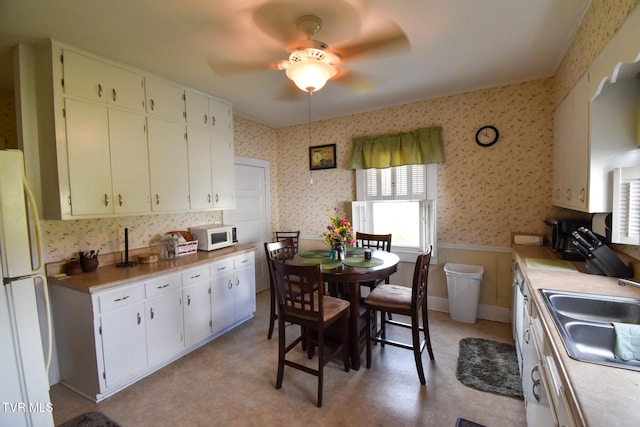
pixel 24 360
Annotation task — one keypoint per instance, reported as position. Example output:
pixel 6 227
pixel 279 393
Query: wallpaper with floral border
pixel 484 193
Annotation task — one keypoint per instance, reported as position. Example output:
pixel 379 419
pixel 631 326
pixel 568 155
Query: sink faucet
pixel 623 282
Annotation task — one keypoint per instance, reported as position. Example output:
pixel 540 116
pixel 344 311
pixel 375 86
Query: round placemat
pixel 315 253
pixel 326 263
pixel 351 250
pixel 357 261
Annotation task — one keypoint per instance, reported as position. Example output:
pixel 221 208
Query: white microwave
pixel 211 237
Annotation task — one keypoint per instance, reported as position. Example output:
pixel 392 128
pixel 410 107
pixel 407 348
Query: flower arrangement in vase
pixel 339 233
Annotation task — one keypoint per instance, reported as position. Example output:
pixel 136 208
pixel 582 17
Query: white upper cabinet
pixel 129 162
pixel 168 165
pixel 219 116
pixel 210 117
pixel 165 99
pixel 206 111
pixel 95 80
pixel 113 140
pixel 199 148
pixel 88 158
pixel 222 164
pixel 571 149
pixel 197 109
pixel 596 126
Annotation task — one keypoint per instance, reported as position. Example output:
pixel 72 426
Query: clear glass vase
pixel 339 251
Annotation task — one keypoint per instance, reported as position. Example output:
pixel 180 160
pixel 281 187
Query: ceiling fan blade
pixel 357 82
pixel 228 68
pixel 277 19
pixel 392 39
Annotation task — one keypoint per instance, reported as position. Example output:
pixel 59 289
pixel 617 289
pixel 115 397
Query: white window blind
pixel 626 206
pixel 397 183
pixel 400 200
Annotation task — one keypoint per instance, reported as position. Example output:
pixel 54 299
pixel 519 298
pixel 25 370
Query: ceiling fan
pixel 311 62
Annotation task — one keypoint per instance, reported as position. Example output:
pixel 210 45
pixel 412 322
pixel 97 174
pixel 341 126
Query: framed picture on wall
pixel 322 157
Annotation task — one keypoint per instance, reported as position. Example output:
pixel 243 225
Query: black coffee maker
pixel 559 237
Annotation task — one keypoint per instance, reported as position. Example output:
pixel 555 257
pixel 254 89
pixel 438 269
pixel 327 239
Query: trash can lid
pixel 464 269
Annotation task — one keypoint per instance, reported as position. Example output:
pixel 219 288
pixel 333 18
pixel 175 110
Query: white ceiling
pixel 455 45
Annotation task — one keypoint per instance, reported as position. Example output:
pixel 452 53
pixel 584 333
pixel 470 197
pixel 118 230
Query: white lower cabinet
pixel 110 339
pixel 222 294
pixel 163 311
pixel 123 343
pixel 197 309
pixel 233 296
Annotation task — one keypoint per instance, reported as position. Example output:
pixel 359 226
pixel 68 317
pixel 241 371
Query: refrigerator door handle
pixel 36 270
pixel 36 224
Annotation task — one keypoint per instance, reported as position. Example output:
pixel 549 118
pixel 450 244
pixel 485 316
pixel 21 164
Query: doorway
pixel 252 215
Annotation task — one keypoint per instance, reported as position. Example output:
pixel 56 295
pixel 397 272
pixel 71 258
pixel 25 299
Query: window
pixel 399 200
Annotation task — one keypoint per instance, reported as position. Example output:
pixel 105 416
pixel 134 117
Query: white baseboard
pixel 486 312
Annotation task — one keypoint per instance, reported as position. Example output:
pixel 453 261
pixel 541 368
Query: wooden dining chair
pixel 295 235
pixel 380 242
pixel 281 250
pixel 301 301
pixel 401 300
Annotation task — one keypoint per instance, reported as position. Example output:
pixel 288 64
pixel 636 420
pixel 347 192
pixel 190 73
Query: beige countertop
pixel 599 395
pixel 109 276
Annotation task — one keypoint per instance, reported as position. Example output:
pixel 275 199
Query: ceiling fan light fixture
pixel 310 70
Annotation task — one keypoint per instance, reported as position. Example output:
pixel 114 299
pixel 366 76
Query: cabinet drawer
pixel 244 260
pixel 121 297
pixel 195 275
pixel 222 266
pixel 163 284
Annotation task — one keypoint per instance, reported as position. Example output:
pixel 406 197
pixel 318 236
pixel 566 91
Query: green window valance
pixel 420 146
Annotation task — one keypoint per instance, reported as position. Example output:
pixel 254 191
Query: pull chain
pixel 309 131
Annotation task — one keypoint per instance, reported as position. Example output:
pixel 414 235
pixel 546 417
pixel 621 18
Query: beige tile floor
pixel 230 382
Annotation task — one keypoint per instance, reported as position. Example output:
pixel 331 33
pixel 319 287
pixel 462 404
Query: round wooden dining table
pixel 348 275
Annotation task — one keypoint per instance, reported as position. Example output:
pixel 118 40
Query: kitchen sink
pixel 584 322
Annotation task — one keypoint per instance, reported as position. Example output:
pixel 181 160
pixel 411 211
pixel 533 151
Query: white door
pixel 252 214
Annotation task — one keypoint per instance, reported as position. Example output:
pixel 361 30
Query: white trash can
pixel 463 287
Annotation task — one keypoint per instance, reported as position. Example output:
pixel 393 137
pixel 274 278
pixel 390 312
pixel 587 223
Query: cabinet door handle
pixel 151 313
pixel 163 286
pixel 114 95
pixel 121 299
pixel 157 199
pixel 213 120
pixel 139 319
pixel 582 192
pixel 208 198
pixel 120 200
pixel 188 299
pixel 106 199
pixel 230 284
pixel 153 104
pixel 217 198
pixel 195 277
pixel 534 389
pixel 206 119
pixel 237 281
pixel 222 268
pixel 527 336
pixel 99 90
pixel 535 370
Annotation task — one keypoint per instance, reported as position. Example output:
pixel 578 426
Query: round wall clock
pixel 487 136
